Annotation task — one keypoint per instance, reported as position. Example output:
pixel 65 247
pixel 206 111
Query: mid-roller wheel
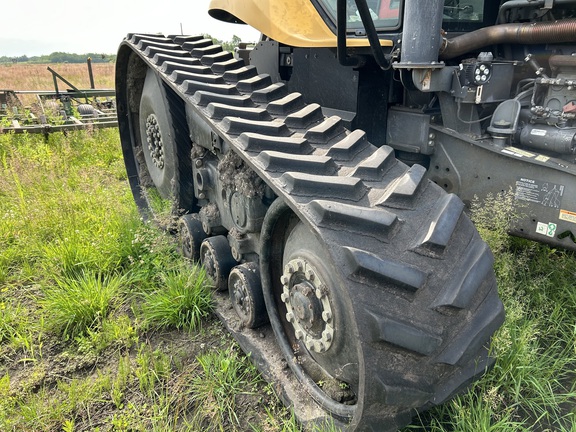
pixel 190 236
pixel 245 291
pixel 217 259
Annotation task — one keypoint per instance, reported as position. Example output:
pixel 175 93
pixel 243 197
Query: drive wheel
pixel 165 159
pixel 245 291
pixel 217 259
pixel 307 306
pixel 190 236
pixel 156 145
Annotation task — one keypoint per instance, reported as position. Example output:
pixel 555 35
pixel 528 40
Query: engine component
pixel 549 138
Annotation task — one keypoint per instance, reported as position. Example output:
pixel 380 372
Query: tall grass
pixel 27 76
pixel 82 280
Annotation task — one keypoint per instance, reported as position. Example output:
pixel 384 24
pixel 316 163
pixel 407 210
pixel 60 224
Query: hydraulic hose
pixel 525 33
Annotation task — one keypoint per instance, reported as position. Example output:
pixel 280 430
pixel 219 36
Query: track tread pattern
pixel 243 73
pixel 250 85
pixel 405 335
pixel 203 76
pixel 255 143
pixel 441 228
pixel 282 162
pixel 391 229
pixel 366 221
pixel 373 269
pixel 196 43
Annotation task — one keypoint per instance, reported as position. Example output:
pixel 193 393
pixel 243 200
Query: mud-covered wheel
pixel 155 143
pixel 245 290
pixel 217 259
pixel 310 314
pixel 190 236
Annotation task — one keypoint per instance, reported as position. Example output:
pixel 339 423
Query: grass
pixel 102 323
pixel 225 376
pixel 182 302
pixel 77 304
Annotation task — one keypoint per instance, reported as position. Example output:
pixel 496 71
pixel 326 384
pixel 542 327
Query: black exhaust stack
pixel 421 35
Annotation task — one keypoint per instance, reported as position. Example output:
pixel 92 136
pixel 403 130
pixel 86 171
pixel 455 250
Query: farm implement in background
pixel 57 110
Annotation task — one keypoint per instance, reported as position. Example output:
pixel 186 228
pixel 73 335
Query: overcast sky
pixel 37 27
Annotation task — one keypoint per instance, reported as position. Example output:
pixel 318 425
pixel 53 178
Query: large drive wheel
pixel 310 313
pixel 156 144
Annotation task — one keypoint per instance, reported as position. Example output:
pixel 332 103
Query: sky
pixel 38 27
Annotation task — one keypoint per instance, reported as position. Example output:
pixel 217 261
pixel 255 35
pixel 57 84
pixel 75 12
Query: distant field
pixel 25 76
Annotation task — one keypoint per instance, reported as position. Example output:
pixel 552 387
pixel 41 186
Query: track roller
pixel 217 259
pixel 190 236
pixel 245 291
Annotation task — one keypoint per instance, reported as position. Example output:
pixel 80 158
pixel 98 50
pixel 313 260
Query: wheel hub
pixel 154 139
pixel 241 296
pixel 307 305
pixel 209 264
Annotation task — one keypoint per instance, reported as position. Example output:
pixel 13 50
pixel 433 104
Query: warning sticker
pixel 547 229
pixel 540 192
pixel 542 158
pixel 517 152
pixel 568 216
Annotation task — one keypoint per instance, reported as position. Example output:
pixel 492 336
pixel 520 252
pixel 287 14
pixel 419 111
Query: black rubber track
pixel 419 279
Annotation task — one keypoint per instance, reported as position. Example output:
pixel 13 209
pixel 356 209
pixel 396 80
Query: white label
pixel 538 132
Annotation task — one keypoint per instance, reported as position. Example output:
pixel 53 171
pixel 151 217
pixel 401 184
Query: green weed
pixel 153 368
pixel 75 305
pixel 181 300
pixel 225 376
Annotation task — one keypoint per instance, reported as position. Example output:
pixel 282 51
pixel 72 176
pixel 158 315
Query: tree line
pixel 60 57
pixel 63 57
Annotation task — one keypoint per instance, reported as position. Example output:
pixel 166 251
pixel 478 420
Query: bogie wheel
pixel 155 143
pixel 217 259
pixel 245 290
pixel 190 236
pixel 311 317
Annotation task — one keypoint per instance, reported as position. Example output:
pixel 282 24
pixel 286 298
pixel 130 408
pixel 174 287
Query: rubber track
pixel 420 279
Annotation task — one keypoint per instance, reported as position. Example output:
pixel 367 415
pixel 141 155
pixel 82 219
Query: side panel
pixel 543 186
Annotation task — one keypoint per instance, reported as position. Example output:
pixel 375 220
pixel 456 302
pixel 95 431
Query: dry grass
pixel 23 76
